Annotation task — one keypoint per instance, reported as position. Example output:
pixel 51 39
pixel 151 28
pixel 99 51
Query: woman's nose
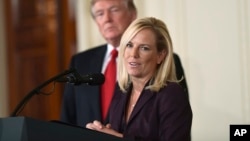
pixel 134 52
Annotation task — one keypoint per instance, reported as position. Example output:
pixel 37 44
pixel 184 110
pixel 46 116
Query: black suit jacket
pixel 162 116
pixel 181 74
pixel 81 104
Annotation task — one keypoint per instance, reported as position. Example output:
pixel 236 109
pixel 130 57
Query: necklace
pixel 133 99
pixel 132 102
pixel 132 105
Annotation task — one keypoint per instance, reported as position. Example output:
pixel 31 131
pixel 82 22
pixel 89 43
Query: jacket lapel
pixel 145 96
pixel 119 107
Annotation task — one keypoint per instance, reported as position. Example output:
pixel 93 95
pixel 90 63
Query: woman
pixel 149 104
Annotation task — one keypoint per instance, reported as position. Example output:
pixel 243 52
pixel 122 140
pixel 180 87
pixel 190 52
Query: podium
pixel 29 129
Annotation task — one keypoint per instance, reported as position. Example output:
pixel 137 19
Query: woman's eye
pixel 129 45
pixel 144 48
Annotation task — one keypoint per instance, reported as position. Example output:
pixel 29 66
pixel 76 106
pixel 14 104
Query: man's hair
pixel 129 3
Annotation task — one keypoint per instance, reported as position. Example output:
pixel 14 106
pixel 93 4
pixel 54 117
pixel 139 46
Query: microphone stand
pixel 37 90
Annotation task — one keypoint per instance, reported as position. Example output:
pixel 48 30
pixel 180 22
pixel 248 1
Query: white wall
pixel 217 37
pixel 212 38
pixel 87 32
pixel 3 85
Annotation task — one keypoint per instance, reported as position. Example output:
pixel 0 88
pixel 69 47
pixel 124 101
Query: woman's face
pixel 141 57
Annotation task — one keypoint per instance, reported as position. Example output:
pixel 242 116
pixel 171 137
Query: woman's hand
pixel 98 126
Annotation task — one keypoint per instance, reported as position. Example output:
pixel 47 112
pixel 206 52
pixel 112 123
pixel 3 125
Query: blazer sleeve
pixel 175 114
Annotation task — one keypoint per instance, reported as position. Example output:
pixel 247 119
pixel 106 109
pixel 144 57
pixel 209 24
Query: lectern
pixel 29 129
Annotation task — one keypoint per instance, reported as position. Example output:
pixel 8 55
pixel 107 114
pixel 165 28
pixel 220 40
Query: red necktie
pixel 107 89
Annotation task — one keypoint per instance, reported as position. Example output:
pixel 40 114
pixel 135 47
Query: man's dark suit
pixel 81 104
pixel 180 73
pixel 162 116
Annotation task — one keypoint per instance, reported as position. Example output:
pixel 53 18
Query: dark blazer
pixel 162 116
pixel 81 104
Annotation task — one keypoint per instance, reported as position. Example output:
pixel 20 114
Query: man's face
pixel 112 18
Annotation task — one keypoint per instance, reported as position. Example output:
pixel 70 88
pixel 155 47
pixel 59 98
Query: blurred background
pixel 212 38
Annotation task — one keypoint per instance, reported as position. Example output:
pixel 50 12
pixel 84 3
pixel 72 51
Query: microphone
pixel 77 79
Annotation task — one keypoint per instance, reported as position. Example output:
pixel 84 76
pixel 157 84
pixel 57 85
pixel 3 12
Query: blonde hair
pixel 166 70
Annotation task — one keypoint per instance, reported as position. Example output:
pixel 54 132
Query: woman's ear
pixel 161 56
